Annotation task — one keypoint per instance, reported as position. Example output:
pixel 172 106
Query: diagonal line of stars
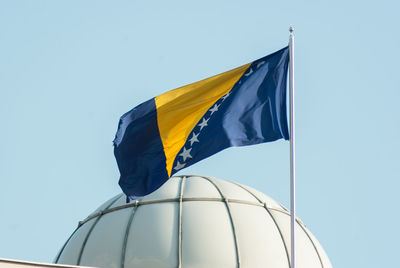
pixel 185 154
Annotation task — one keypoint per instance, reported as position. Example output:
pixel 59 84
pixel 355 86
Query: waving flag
pixel 243 106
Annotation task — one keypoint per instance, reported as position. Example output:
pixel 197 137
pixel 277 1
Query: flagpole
pixel 292 151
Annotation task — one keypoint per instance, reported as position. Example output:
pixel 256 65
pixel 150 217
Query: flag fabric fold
pixel 174 130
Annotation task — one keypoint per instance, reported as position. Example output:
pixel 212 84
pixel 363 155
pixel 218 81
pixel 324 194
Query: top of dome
pixel 195 186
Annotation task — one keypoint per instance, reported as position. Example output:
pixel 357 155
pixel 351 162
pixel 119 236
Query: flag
pixel 174 130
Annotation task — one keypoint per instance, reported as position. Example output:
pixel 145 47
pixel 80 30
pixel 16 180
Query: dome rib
pixel 66 242
pixel 128 227
pixel 184 199
pixel 180 221
pixel 226 201
pixel 312 242
pixel 91 229
pixel 272 217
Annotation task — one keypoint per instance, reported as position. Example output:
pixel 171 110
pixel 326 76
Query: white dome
pixel 192 221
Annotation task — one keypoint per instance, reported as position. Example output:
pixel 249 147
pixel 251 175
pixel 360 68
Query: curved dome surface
pixel 192 221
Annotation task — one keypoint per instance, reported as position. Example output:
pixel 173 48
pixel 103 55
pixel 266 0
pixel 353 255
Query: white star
pixel 214 109
pixel 203 123
pixel 179 166
pixel 194 139
pixel 249 73
pixel 260 63
pixel 186 153
pixel 227 94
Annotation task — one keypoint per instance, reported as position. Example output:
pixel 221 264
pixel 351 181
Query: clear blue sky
pixel 70 69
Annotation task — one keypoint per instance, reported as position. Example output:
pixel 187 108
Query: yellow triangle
pixel 179 110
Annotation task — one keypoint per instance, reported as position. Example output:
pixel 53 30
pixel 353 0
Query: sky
pixel 70 69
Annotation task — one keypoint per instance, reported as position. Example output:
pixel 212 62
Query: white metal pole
pixel 292 151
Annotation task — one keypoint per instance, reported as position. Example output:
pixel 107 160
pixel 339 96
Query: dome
pixel 191 221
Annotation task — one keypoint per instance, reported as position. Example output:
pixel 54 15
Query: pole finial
pixel 291 30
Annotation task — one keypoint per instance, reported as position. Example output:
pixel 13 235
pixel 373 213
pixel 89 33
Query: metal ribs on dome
pixel 226 195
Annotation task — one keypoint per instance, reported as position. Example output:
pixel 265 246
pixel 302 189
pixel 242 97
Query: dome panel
pixel 72 249
pixel 168 190
pixel 106 204
pixel 271 203
pixel 259 239
pixel 232 191
pixel 324 258
pixel 306 254
pixel 153 236
pixel 207 236
pixel 198 187
pixel 119 202
pixel 108 255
